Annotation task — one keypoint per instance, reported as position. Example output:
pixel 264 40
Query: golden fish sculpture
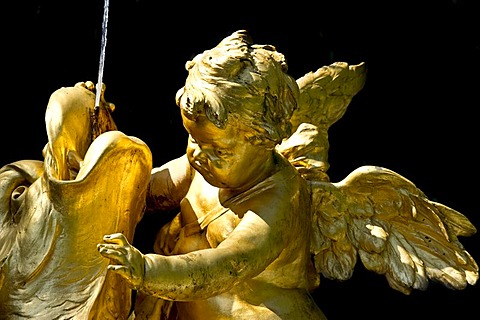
pixel 53 213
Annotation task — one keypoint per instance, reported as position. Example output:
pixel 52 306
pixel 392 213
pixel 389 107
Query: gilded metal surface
pixel 53 213
pixel 259 220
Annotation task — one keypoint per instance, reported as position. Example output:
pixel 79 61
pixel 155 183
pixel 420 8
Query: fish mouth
pixel 73 122
pixel 86 155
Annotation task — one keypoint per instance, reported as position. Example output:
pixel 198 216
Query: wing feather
pixel 374 214
pixel 324 97
pixel 326 93
pixel 395 229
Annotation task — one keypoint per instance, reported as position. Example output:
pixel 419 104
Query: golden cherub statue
pixel 259 219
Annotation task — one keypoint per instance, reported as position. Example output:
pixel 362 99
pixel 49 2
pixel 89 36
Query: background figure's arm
pixel 168 184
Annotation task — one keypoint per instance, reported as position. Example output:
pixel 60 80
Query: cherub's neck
pixel 270 166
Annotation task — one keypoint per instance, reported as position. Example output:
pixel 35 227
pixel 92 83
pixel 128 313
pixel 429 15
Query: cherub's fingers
pixel 113 252
pixel 121 270
pixel 113 247
pixel 117 238
pixel 125 259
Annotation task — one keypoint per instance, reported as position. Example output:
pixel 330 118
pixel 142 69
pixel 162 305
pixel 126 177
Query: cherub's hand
pixel 125 259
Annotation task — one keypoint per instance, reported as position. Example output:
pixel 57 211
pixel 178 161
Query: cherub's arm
pixel 248 250
pixel 169 183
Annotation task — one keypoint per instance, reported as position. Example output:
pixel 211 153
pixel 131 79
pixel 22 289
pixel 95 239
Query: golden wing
pixel 374 213
pixel 326 93
pixel 324 97
pixel 383 218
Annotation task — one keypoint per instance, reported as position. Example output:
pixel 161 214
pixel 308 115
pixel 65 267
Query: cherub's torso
pixel 285 278
pixel 202 202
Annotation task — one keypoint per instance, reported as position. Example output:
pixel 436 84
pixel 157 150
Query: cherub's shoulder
pixel 282 188
pixel 287 177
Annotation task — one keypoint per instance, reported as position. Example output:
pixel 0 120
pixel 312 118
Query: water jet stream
pixel 102 54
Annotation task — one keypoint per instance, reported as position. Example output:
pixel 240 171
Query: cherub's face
pixel 222 156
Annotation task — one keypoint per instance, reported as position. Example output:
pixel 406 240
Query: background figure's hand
pixel 125 259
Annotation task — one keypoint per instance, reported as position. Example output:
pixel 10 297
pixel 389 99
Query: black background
pixel 416 115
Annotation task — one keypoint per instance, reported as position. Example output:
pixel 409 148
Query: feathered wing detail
pixel 326 93
pixel 373 214
pixel 383 218
pixel 324 97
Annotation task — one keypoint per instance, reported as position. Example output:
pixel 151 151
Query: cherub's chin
pixel 211 179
